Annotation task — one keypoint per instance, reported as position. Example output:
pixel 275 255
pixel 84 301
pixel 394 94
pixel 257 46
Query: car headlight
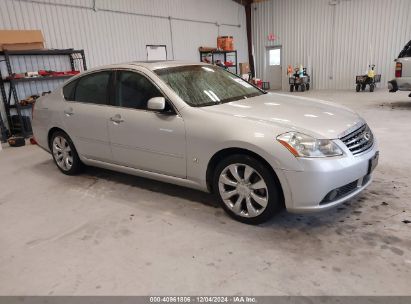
pixel 302 145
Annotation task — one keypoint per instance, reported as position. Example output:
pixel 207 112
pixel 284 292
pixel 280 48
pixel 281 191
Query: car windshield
pixel 200 85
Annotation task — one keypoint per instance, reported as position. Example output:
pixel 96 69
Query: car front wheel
pixel 246 189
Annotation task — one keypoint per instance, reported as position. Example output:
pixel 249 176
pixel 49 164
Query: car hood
pixel 313 117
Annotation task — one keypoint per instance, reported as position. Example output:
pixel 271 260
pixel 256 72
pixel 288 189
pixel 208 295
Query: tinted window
pixel 93 88
pixel 69 90
pixel 134 90
pixel 406 52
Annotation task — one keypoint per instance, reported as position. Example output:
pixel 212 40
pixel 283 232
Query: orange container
pixel 226 43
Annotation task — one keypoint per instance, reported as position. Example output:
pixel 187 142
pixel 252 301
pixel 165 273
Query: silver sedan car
pixel 199 126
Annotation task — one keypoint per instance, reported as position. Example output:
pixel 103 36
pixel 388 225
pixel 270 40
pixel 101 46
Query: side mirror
pixel 156 104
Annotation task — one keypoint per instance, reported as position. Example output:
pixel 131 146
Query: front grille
pixel 339 193
pixel 360 140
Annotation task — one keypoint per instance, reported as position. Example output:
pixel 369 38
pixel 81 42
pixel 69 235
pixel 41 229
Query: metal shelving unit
pixel 44 78
pixel 8 83
pixel 225 55
pixel 4 132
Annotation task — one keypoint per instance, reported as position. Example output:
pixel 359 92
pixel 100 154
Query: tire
pixel 296 87
pixel 65 154
pixel 235 193
pixel 291 88
pixel 358 87
pixel 363 87
pixel 303 87
pixel 307 86
pixel 372 87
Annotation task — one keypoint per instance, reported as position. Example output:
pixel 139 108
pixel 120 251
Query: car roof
pixel 151 65
pixel 162 64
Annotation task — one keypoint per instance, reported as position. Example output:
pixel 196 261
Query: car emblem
pixel 367 136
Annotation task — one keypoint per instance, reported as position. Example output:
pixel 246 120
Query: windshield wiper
pixel 207 104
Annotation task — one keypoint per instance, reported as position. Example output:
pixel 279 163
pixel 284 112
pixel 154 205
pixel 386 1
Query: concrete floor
pixel 111 234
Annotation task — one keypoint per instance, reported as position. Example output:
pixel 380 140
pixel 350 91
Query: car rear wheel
pixel 64 154
pixel 246 189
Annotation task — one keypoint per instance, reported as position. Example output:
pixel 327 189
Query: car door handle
pixel 69 112
pixel 116 119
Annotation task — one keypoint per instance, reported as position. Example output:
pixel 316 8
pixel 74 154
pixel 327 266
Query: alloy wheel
pixel 243 190
pixel 62 153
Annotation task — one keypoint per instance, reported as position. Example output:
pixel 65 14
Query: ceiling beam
pixel 247 2
pixel 247 6
pixel 242 2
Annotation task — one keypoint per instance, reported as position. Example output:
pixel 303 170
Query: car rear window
pixel 406 51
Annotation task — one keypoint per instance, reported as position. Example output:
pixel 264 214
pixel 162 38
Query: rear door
pixel 86 114
pixel 142 139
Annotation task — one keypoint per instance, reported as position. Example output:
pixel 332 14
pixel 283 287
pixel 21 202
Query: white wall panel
pixel 337 41
pixel 117 31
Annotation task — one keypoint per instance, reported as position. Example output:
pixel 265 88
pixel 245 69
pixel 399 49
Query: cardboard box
pixel 207 49
pixel 17 40
pixel 225 43
pixel 244 68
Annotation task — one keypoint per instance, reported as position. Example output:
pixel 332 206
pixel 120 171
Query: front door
pixel 142 139
pixel 273 68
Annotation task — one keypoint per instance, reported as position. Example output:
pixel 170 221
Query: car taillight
pixel 398 70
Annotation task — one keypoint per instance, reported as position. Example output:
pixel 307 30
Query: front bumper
pixel 312 188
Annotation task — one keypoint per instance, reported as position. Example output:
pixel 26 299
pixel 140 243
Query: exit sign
pixel 272 37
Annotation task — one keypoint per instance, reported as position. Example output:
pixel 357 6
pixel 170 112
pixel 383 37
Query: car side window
pixel 93 88
pixel 69 90
pixel 133 90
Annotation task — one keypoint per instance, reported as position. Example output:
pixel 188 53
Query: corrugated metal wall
pixel 337 41
pixel 117 31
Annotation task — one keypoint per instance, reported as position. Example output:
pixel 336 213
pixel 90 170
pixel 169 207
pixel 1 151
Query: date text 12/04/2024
pixel 204 299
